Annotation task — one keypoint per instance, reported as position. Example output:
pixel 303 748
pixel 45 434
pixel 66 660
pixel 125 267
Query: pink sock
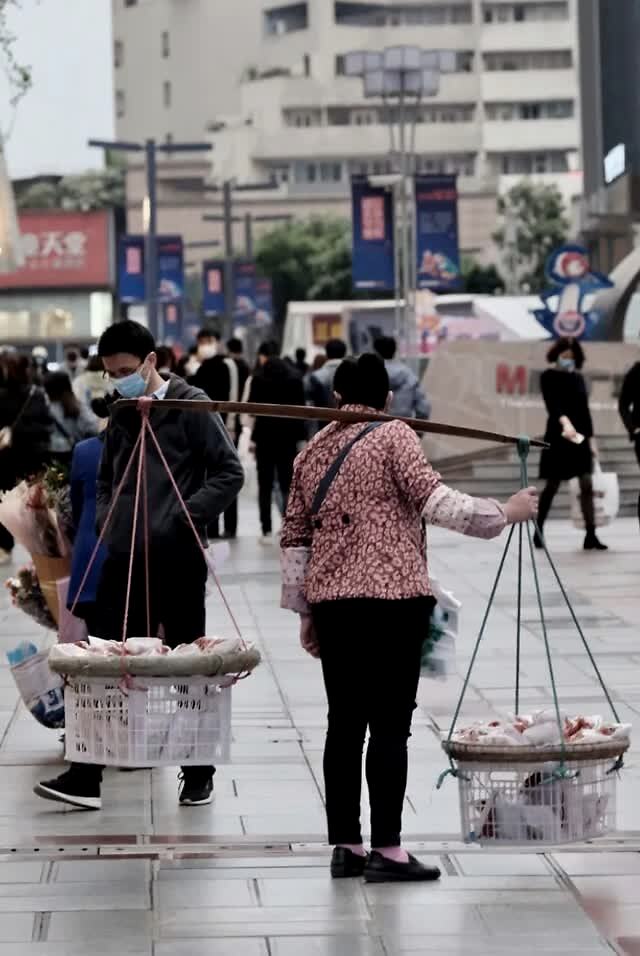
pixel 394 853
pixel 356 848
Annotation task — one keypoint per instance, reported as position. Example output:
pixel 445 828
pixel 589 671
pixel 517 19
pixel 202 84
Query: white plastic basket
pixel 525 804
pixel 156 722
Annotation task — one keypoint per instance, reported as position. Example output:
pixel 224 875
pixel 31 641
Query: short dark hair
pixel 269 349
pixel 336 349
pixel 207 334
pixel 235 345
pixel 301 354
pixel 128 337
pixel 567 345
pixel 385 346
pixel 362 381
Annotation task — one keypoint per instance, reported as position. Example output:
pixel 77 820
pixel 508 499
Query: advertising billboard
pixel 373 257
pixel 437 248
pixel 64 250
pixel 131 281
pixel 213 287
pixel 131 266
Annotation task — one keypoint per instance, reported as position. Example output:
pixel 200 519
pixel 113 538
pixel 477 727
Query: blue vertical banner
pixel 131 284
pixel 437 246
pixel 244 284
pixel 173 322
pixel 264 303
pixel 213 293
pixel 170 268
pixel 372 215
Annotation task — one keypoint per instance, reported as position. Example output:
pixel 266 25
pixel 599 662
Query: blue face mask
pixel 567 364
pixel 131 386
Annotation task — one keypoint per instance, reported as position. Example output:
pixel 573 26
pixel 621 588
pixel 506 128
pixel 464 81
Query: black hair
pixel 207 334
pixel 58 388
pixel 126 337
pixel 567 345
pixel 386 347
pixel 235 346
pixel 335 349
pixel 269 349
pixel 301 354
pixel 362 381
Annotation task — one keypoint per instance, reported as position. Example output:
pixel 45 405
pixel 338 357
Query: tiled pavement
pixel 248 875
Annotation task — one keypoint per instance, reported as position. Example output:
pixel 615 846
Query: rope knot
pixel 144 406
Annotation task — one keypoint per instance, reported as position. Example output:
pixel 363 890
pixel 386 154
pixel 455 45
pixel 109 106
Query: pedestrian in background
pixel 301 361
pixel 90 384
pixel 72 420
pixel 629 406
pixel 355 569
pixel 73 363
pixel 409 401
pixel 25 427
pixel 319 383
pixel 275 440
pixel 569 434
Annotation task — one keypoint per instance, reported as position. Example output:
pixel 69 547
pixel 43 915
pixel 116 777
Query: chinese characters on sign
pixel 373 218
pixel 372 211
pixel 63 249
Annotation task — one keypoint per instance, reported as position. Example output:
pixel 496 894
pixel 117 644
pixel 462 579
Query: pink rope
pixel 107 522
pixel 136 505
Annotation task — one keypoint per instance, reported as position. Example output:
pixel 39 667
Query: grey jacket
pixel 319 385
pixel 409 401
pixel 202 460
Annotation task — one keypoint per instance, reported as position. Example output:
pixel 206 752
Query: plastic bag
pixel 606 497
pixel 248 461
pixel 439 648
pixel 41 690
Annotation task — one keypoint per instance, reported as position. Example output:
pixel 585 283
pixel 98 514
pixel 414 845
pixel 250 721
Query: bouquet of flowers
pixel 27 595
pixel 55 485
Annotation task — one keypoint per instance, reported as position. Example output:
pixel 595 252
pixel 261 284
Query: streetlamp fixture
pixel 151 148
pixel 401 76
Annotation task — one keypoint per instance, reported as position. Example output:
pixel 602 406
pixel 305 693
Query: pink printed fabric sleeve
pixel 475 517
pixel 296 525
pixel 294 562
pixel 412 473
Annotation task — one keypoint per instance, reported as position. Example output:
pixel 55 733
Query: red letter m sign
pixel 511 380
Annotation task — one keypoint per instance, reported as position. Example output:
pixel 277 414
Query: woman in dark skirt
pixel 569 435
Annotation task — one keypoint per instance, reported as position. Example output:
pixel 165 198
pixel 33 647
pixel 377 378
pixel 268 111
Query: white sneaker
pixel 266 540
pixel 5 557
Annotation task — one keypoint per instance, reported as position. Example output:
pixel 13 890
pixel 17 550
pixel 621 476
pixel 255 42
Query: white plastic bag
pixel 248 461
pixel 606 497
pixel 439 649
pixel 41 690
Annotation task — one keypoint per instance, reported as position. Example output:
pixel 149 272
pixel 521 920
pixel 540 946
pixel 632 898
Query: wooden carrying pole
pixel 310 413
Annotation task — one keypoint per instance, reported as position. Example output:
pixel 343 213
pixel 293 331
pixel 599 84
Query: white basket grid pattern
pixel 527 804
pixel 155 722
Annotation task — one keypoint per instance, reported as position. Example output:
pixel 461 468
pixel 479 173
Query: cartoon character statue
pixel 569 270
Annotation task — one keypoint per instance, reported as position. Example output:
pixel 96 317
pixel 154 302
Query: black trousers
pixel 637 443
pixel 370 652
pixel 177 592
pixel 551 489
pixel 273 461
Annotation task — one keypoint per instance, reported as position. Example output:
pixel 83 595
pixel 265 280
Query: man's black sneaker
pixel 345 864
pixel 72 788
pixel 196 790
pixel 381 870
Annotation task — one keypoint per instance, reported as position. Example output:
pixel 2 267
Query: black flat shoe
pixel 593 543
pixel 345 864
pixel 381 870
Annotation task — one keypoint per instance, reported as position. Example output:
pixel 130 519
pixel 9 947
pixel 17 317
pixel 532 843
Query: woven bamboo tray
pixel 474 753
pixel 188 665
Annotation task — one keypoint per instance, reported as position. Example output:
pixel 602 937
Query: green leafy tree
pixel 533 223
pixel 307 260
pixel 18 74
pixel 96 189
pixel 481 280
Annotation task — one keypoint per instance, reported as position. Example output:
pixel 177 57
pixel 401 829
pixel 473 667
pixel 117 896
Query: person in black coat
pixel 276 440
pixel 24 415
pixel 569 434
pixel 629 407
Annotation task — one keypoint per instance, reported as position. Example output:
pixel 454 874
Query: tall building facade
pixel 277 104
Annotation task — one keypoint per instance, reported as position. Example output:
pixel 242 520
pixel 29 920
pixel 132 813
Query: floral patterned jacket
pixel 367 540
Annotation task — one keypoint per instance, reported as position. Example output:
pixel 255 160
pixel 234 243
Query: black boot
pixel 538 538
pixel 592 541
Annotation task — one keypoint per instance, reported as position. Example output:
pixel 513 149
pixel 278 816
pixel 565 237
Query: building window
pixel 166 49
pixel 552 109
pixel 354 14
pixel 286 19
pixel 120 104
pixel 130 3
pixel 341 62
pixel 493 12
pixel 528 60
pixel 523 164
pixel 166 93
pixel 118 53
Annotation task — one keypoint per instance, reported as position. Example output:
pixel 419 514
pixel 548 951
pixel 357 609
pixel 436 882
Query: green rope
pixel 579 629
pixel 519 622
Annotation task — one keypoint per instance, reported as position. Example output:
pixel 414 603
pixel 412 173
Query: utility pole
pixel 155 317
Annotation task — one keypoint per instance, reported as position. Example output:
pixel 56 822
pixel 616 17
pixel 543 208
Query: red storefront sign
pixel 63 249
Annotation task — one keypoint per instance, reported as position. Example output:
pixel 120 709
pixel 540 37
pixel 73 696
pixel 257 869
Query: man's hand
pixel 308 637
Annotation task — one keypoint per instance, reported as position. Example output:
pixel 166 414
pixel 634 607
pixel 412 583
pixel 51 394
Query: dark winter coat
pixel 565 393
pixel 29 452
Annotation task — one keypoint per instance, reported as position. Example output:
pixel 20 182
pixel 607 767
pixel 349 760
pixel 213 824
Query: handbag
pixel 6 433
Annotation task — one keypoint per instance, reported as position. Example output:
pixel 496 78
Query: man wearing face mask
pixel 206 469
